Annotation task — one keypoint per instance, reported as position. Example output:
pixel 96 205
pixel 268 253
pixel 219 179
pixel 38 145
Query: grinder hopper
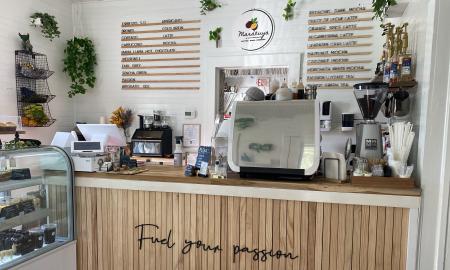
pixel 370 97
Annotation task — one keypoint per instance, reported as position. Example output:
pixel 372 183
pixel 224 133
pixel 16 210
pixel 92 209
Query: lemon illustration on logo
pixel 252 24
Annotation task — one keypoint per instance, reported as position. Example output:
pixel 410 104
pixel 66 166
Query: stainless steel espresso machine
pixel 370 98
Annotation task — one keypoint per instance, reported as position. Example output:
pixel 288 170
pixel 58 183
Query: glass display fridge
pixel 36 204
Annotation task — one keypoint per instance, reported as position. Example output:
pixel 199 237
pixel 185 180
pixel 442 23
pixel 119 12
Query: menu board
pixel 161 55
pixel 339 52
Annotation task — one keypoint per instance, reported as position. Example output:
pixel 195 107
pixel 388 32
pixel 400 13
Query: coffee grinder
pixel 370 97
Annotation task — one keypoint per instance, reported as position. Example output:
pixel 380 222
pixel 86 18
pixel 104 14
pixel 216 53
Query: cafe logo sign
pixel 254 29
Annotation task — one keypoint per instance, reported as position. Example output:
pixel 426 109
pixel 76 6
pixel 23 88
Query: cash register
pixel 89 155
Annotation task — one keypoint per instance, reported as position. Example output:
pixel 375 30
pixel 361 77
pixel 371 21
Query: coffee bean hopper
pixel 370 98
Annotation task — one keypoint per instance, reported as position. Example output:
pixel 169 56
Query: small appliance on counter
pixel 370 98
pixel 325 116
pixel 334 166
pixel 278 139
pixel 90 155
pixel 152 138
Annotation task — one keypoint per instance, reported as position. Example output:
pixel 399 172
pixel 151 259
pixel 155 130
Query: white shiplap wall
pixel 101 21
pixel 14 19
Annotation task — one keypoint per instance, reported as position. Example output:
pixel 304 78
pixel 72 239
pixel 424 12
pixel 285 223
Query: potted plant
pixel 215 35
pixel 288 11
pixel 208 5
pixel 122 118
pixel 380 8
pixel 47 23
pixel 79 64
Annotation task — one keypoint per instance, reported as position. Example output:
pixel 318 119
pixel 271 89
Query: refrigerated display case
pixel 36 204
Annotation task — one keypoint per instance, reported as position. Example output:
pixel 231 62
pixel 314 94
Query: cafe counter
pixel 161 219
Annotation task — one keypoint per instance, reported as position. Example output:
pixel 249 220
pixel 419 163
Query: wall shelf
pixel 340 21
pixel 341 13
pixel 362 28
pixel 125 60
pixel 338 79
pixel 334 87
pixel 159 38
pixel 159 23
pixel 162 74
pixel 340 38
pixel 403 84
pixel 162 81
pixel 160 88
pixel 163 31
pixel 33 91
pixel 162 45
pixel 339 71
pixel 339 63
pixel 337 55
pixel 340 46
pixel 160 67
pixel 159 53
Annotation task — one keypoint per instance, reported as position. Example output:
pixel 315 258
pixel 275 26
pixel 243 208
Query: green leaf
pixel 79 64
pixel 289 10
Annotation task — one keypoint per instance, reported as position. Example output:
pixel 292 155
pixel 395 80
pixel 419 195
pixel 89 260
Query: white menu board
pixel 340 49
pixel 161 55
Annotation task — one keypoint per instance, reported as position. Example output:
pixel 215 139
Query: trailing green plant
pixel 48 24
pixel 208 5
pixel 289 10
pixel 215 35
pixel 380 8
pixel 79 64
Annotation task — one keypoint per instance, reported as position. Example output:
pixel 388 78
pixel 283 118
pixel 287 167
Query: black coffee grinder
pixel 152 139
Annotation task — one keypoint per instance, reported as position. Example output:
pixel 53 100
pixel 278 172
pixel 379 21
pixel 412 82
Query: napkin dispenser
pixel 276 139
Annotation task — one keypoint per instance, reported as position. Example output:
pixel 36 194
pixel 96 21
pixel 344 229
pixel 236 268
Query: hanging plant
pixel 380 8
pixel 215 35
pixel 79 64
pixel 208 5
pixel 289 10
pixel 48 24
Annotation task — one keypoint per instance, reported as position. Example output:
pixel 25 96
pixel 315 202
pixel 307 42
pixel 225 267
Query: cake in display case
pixel 36 203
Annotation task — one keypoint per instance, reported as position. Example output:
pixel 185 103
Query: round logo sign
pixel 254 29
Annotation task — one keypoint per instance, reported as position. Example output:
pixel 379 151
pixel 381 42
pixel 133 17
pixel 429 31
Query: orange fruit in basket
pixel 25 121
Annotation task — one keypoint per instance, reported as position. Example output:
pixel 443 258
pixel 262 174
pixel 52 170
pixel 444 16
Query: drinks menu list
pixel 161 55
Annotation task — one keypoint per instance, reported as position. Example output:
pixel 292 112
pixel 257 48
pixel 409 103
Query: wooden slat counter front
pixel 195 223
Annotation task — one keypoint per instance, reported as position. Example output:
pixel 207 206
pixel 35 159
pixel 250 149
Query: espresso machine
pixel 370 98
pixel 153 138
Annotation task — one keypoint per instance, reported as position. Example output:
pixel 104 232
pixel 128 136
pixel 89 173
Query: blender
pixel 370 98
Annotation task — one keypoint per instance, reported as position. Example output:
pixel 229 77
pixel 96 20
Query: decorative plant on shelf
pixel 79 64
pixel 122 118
pixel 26 44
pixel 380 8
pixel 215 35
pixel 208 5
pixel 288 13
pixel 48 24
